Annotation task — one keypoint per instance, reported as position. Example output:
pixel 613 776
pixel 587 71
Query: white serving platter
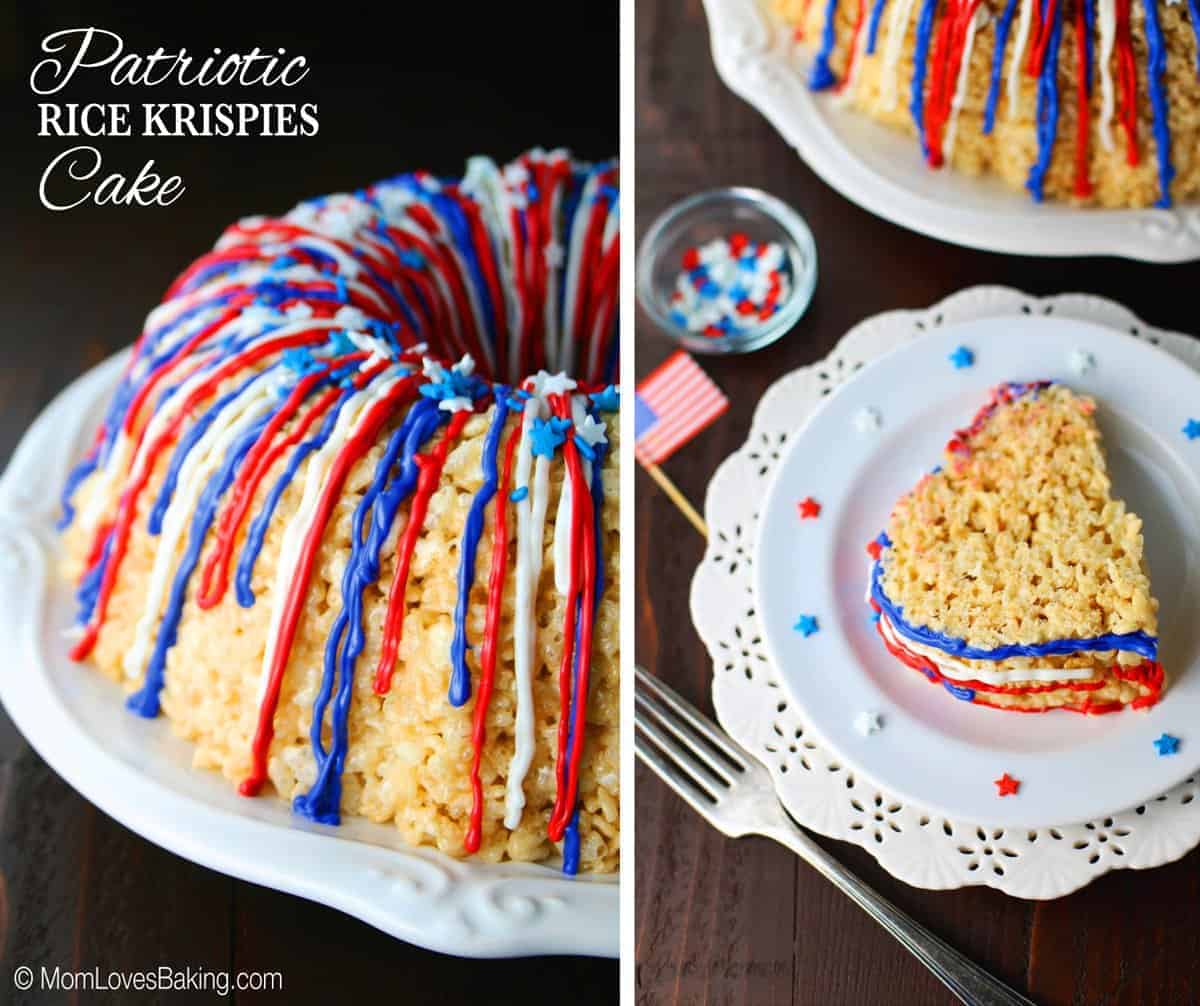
pixel 138 772
pixel 934 751
pixel 882 170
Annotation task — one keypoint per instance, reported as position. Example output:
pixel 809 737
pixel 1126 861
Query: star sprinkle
pixel 608 400
pixel 591 431
pixel 868 420
pixel 517 495
pixel 1006 785
pixel 868 723
pixel 1166 745
pixel 1081 362
pixel 961 358
pixel 546 435
pixel 809 508
pixel 806 625
pixel 555 384
pixel 1191 429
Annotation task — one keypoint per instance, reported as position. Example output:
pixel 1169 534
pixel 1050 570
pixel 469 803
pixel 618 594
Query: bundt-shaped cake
pixel 1092 101
pixel 382 582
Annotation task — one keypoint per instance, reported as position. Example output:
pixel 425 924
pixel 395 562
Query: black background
pixel 399 87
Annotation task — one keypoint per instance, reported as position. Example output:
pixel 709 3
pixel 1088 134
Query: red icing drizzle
pixel 487 649
pixel 258 461
pixel 355 447
pixel 583 567
pixel 1083 184
pixel 127 506
pixel 430 466
pixel 1127 77
pixel 948 52
pixel 1149 674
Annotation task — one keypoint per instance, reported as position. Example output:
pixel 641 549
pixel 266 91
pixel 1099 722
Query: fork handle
pixel 966 979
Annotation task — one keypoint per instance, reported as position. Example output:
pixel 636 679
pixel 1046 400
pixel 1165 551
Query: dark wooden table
pixel 721 921
pixel 78 890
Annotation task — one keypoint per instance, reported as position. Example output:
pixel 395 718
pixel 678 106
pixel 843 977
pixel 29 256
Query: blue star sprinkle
pixel 300 360
pixel 608 400
pixel 961 357
pixel 548 434
pixel 1191 429
pixel 519 494
pixel 340 344
pixel 875 615
pixel 282 262
pixel 339 283
pixel 1167 745
pixel 806 625
pixel 412 259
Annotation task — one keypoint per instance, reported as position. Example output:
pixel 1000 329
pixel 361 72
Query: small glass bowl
pixel 718 214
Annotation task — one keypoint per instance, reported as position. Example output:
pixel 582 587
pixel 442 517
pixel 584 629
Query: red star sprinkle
pixel 873 549
pixel 808 507
pixel 1006 785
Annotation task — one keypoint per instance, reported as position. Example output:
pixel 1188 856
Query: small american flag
pixel 671 406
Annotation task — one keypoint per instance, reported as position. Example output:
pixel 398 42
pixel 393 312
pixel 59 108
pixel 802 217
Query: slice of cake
pixel 1011 576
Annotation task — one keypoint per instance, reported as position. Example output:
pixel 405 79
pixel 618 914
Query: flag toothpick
pixel 676 497
pixel 674 403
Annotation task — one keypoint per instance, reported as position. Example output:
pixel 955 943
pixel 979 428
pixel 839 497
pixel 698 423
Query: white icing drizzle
pixel 531 515
pixel 897 29
pixel 205 457
pixel 1024 21
pixel 845 92
pixel 562 519
pixel 316 472
pixel 960 88
pixel 958 670
pixel 1106 19
pixel 574 260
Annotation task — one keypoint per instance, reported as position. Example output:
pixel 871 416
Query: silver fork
pixel 733 791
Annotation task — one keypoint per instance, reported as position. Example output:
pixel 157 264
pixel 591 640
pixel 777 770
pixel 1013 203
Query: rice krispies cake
pixel 1130 136
pixel 1011 576
pixel 346 569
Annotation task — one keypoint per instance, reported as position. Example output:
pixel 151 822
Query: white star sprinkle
pixel 868 420
pixel 1081 362
pixel 465 366
pixel 556 384
pixel 456 404
pixel 867 723
pixel 351 317
pixel 432 369
pixel 591 431
pixel 299 311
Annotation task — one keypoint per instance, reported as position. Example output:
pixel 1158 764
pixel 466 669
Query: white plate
pixel 138 772
pixel 934 750
pixel 882 170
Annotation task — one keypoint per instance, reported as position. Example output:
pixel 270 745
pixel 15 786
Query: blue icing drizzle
pixel 821 76
pixel 460 675
pixel 873 26
pixel 1002 29
pixel 1130 642
pixel 258 527
pixel 1156 68
pixel 144 702
pixel 382 501
pixel 966 694
pixel 1089 17
pixel 1047 107
pixel 916 105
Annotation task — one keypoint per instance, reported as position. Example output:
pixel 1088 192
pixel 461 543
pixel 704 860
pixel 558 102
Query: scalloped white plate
pixel 140 773
pixel 881 169
pixel 934 749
